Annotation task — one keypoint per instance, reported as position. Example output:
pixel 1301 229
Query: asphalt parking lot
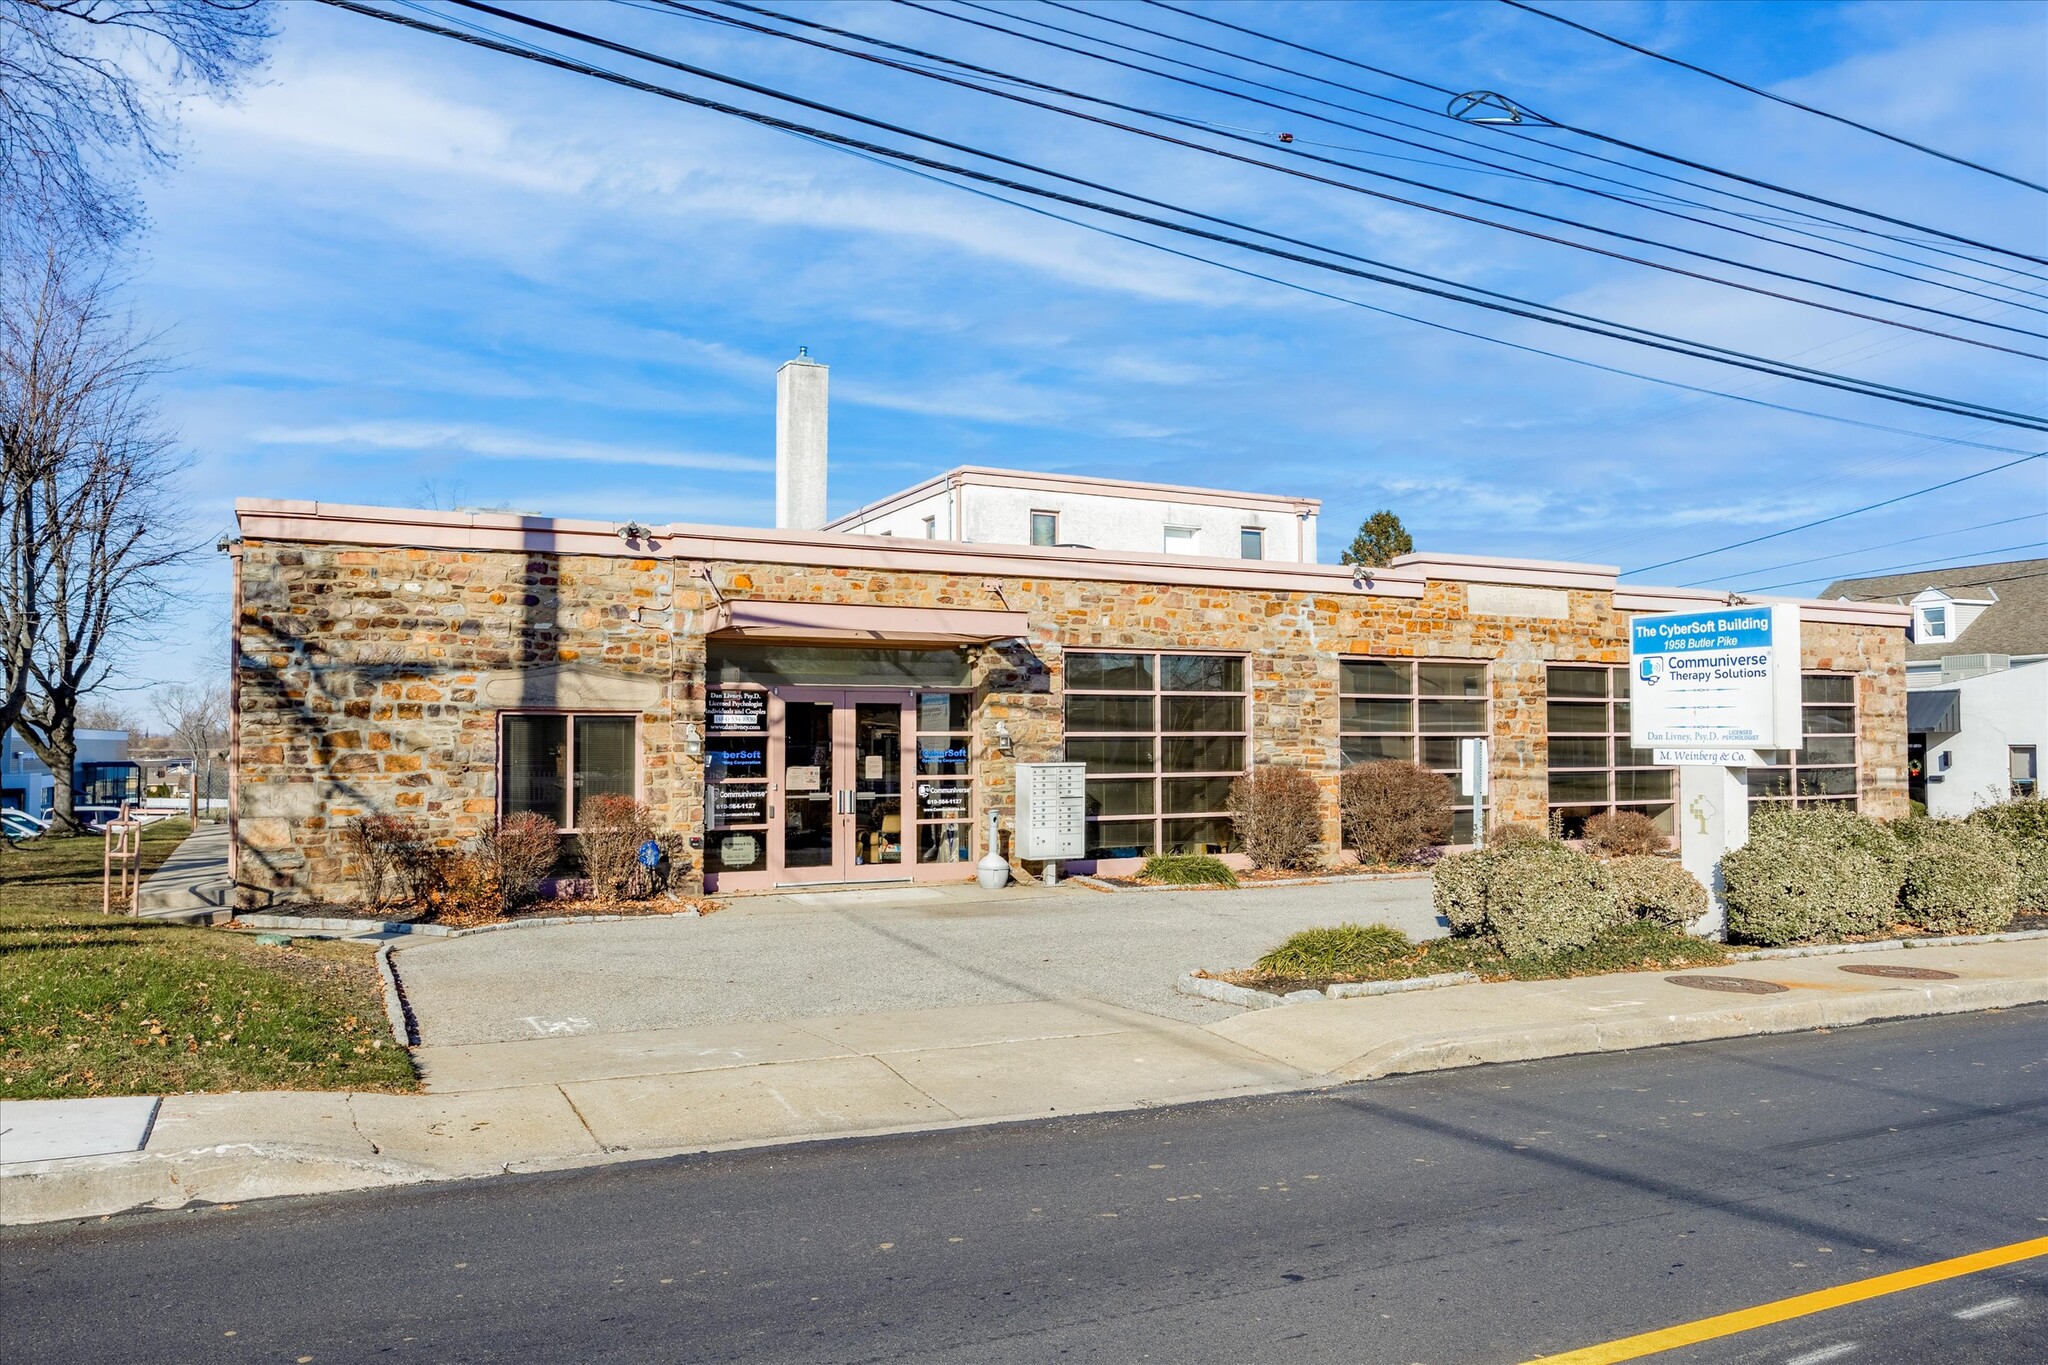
pixel 873 951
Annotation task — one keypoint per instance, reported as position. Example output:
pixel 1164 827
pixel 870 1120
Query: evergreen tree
pixel 1380 539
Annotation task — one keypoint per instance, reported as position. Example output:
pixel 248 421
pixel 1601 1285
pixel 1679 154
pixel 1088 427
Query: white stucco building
pixel 1976 678
pixel 26 784
pixel 981 506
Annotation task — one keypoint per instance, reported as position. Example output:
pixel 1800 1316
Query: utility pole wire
pixel 1646 151
pixel 1740 85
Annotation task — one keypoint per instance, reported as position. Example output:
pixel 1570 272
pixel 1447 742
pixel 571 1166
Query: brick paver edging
pixel 1198 983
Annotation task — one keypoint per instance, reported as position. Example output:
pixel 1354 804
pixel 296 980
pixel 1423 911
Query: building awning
pixel 1934 712
pixel 865 624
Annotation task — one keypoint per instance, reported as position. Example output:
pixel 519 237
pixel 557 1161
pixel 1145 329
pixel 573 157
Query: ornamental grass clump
pixel 2024 822
pixel 1277 812
pixel 1960 878
pixel 1187 869
pixel 1357 950
pixel 1813 874
pixel 1393 811
pixel 1657 890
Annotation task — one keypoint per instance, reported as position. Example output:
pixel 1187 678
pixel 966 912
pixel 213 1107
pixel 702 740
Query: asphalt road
pixel 1485 1215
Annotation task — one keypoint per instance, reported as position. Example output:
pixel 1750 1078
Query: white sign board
pixel 1707 758
pixel 1052 810
pixel 1472 767
pixel 1715 679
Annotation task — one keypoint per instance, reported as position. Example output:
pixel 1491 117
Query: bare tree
pixel 85 99
pixel 91 513
pixel 197 716
pixel 103 715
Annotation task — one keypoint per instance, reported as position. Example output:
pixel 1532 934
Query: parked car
pixel 19 824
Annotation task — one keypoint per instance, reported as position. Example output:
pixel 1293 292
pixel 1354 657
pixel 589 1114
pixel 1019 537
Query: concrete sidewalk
pixel 580 1099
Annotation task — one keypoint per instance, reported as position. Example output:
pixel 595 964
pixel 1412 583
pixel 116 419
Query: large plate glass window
pixel 1163 735
pixel 556 764
pixel 1413 712
pixel 1822 771
pixel 1593 769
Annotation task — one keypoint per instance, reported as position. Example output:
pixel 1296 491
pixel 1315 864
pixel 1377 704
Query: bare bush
pixel 612 832
pixel 374 841
pixel 1624 834
pixel 1392 811
pixel 1278 814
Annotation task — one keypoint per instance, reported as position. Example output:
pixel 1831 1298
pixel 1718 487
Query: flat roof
pixel 420 528
pixel 1084 484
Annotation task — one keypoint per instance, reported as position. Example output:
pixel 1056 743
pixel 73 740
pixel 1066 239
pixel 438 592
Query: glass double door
pixel 836 765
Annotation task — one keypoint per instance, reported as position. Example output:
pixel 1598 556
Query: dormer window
pixel 1934 623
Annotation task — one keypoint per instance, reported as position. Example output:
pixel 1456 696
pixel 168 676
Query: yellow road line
pixel 1800 1305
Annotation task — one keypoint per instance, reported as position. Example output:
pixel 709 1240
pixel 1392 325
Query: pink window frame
pixel 569 788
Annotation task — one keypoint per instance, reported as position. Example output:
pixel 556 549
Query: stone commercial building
pixel 814 705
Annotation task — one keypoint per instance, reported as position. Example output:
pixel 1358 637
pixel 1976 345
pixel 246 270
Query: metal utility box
pixel 1052 810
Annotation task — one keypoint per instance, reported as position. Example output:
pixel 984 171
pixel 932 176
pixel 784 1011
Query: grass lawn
pixel 94 1004
pixel 1377 952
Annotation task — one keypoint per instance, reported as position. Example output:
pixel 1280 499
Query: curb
pixel 95 1187
pixel 1888 945
pixel 1194 982
pixel 1788 1016
pixel 1098 884
pixel 405 1029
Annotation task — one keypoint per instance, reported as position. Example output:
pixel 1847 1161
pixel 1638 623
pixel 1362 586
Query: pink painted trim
pixel 835 621
pixel 1081 484
pixel 1832 612
pixel 1546 573
pixel 337 524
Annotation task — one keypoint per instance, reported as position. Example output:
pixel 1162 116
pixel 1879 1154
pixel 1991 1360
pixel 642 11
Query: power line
pixel 1517 308
pixel 1739 85
pixel 1866 549
pixel 1634 147
pixel 1839 516
pixel 1900 568
pixel 1695 348
pixel 1971 582
pixel 1358 189
pixel 1439 114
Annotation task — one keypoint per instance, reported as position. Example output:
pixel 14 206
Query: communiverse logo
pixel 1651 670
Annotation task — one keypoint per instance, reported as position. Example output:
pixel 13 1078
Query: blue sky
pixel 404 271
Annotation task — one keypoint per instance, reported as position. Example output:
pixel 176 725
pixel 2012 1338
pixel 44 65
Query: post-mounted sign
pixel 1720 680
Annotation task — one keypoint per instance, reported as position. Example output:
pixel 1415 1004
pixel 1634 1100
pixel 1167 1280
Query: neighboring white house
pixel 1019 507
pixel 1976 679
pixel 102 769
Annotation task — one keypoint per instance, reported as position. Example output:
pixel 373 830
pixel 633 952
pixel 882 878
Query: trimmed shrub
pixel 1278 813
pixel 613 829
pixel 1658 890
pixel 1960 878
pixel 1459 893
pixel 2024 822
pixel 1392 811
pixel 1542 898
pixel 1511 832
pixel 1624 834
pixel 1187 869
pixel 1345 950
pixel 1813 874
pixel 469 892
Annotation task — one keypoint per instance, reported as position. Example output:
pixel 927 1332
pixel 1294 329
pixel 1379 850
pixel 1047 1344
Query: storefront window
pixel 556 764
pixel 1410 712
pixel 1822 771
pixel 1163 736
pixel 1593 769
pixel 945 796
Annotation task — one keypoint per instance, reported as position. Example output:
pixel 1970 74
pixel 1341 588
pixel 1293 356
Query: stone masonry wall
pixel 372 677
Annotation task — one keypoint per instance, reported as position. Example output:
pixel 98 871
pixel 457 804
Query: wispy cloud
pixel 445 439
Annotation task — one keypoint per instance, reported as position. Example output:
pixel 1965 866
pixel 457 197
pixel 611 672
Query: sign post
pixel 1472 782
pixel 1706 690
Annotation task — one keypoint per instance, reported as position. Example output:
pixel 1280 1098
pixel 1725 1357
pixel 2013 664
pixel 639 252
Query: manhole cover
pixel 1909 973
pixel 1739 985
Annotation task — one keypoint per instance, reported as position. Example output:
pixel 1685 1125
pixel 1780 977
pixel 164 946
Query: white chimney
pixel 800 443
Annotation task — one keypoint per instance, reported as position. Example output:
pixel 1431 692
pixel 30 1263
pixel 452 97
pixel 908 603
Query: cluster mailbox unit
pixel 1052 810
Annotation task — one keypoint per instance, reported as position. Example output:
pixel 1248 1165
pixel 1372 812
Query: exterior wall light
pixel 1004 744
pixel 693 740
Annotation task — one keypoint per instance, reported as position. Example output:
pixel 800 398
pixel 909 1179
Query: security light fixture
pixel 633 531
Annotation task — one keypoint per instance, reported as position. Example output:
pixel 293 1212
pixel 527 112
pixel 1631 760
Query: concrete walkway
pixel 825 953
pixel 575 1100
pixel 193 883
